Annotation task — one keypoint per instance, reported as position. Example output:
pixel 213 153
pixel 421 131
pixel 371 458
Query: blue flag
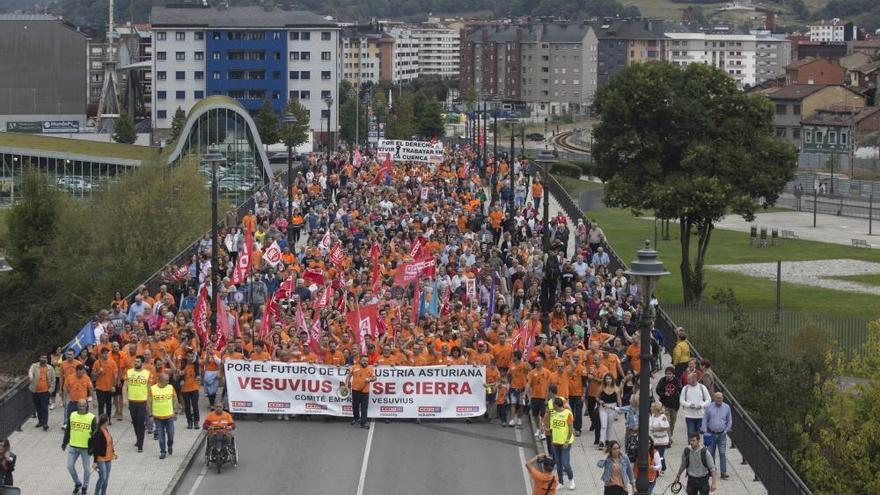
pixel 491 301
pixel 83 339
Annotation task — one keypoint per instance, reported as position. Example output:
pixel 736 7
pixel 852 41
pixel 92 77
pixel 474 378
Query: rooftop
pixel 549 32
pixel 627 29
pixel 869 67
pixel 840 115
pixel 793 91
pixel 234 17
pixel 77 146
pixel 797 64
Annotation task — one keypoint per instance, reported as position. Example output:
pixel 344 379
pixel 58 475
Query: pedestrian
pixel 7 463
pixel 78 387
pixel 617 471
pixel 105 374
pixel 700 467
pixel 575 373
pixel 562 434
pixel 42 386
pixel 669 390
pixel 694 399
pixel 102 449
pixel 540 469
pixel 358 381
pixel 77 442
pixel 162 403
pixel 137 382
pixel 717 422
pixel 655 465
pixel 501 400
pixel 609 401
pixel 681 353
pixel 55 361
pixel 659 429
pixel 536 389
pixel 190 374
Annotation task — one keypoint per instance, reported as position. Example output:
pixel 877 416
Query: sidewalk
pixel 41 466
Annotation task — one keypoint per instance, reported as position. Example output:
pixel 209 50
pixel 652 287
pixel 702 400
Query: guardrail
pixel 769 466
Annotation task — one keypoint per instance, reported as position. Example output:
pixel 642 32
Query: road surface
pixel 303 457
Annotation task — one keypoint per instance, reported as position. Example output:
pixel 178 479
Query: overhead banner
pixel 270 387
pixel 411 151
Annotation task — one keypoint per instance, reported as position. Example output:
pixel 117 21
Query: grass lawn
pixel 77 146
pixel 627 234
pixel 867 279
pixel 575 186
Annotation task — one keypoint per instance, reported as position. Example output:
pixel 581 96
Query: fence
pixel 16 405
pixel 769 466
pixel 709 320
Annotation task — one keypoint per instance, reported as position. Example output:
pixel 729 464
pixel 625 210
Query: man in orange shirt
pixel 358 381
pixel 543 476
pixel 502 352
pixel 105 372
pixel 518 371
pixel 539 381
pixel 576 374
pixel 77 387
pixel 537 193
pixel 42 385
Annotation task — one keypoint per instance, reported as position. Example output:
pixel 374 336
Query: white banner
pixel 411 151
pixel 271 387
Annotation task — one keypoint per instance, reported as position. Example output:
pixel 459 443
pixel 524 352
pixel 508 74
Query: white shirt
pixel 694 399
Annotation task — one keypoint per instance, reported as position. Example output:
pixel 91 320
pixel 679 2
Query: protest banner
pixel 411 151
pixel 270 387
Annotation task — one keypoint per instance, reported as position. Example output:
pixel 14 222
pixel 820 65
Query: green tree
pixel 352 113
pixel 429 118
pixel 295 133
pixel 686 143
pixel 31 224
pixel 268 125
pixel 380 105
pixel 177 123
pixel 401 118
pixel 123 130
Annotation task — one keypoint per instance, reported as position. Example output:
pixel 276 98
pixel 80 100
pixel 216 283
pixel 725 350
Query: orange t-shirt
pixel 360 377
pixel 503 354
pixel 539 381
pixel 545 483
pixel 104 371
pixel 518 374
pixel 260 356
pixel 560 380
pixel 575 383
pixel 108 455
pixel 635 360
pixel 43 379
pixel 68 367
pixel 190 384
pixel 537 190
pixel 78 387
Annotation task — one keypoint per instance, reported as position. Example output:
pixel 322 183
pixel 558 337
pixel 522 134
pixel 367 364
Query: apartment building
pixel 627 41
pixel 552 67
pixel 439 50
pixel 772 54
pixel 735 54
pixel 360 59
pixel 834 30
pixel 403 55
pixel 250 54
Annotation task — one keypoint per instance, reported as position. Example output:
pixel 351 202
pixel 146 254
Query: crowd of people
pixel 556 328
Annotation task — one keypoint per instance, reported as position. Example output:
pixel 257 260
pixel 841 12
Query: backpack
pixel 703 452
pixel 631 446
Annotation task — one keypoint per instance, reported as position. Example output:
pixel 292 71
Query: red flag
pixel 273 254
pixel 315 336
pixel 314 275
pixel 416 300
pixel 374 259
pixel 323 301
pixel 337 255
pixel 270 315
pixel 387 166
pixel 418 245
pixel 243 263
pixel 301 319
pixel 325 241
pixel 444 307
pixel 363 321
pixel 408 271
pixel 200 313
pixel 222 325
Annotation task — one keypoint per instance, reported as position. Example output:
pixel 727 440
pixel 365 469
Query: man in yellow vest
pixel 162 402
pixel 137 384
pixel 561 421
pixel 78 443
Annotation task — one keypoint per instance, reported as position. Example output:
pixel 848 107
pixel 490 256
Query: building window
pixel 161 95
pixel 179 55
pixel 843 137
pixel 294 36
pixel 161 35
pixel 305 95
pixel 808 136
pixel 199 75
pixel 180 36
pixel 325 94
pixel 215 55
pixel 325 55
pixel 180 75
pixel 293 56
pixel 198 95
pixel 294 74
pixel 832 137
pixel 161 114
pixel 199 36
pixel 199 55
pixel 180 95
pixel 781 109
pixel 796 133
pixel 215 35
pixel 215 75
pixel 160 56
pixel 305 55
pixel 325 114
pixel 305 36
pixel 796 109
pixel 325 36
pixel 293 95
pixel 305 75
pixel 161 75
pixel 325 75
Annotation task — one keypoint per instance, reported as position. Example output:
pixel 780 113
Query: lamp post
pixel 214 158
pixel 289 121
pixel 485 141
pixel 646 270
pixel 357 103
pixel 545 132
pixel 546 158
pixel 329 102
pixel 512 123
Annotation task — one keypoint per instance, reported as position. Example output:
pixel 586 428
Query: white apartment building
pixel 772 54
pixel 178 72
pixel 735 54
pixel 829 31
pixel 405 57
pixel 439 51
pixel 360 57
pixel 312 53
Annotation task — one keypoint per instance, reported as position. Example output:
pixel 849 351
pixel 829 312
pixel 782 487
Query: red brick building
pixel 814 71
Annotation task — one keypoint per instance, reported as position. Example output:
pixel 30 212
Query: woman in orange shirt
pixel 102 448
pixel 189 375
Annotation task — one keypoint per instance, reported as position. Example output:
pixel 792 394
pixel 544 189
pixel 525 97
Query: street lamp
pixel 646 270
pixel 329 102
pixel 512 123
pixel 289 121
pixel 355 93
pixel 546 158
pixel 214 157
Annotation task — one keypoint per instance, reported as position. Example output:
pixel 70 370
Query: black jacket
pixel 99 445
pixel 669 392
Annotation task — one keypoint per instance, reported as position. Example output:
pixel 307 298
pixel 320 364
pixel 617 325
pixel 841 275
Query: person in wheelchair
pixel 219 425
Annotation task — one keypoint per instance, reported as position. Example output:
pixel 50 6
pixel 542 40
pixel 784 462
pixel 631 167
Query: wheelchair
pixel 218 455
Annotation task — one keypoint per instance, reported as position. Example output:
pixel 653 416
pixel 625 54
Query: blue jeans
pixel 165 427
pixel 562 456
pixel 693 425
pixel 103 477
pixel 73 453
pixel 719 441
pixel 70 409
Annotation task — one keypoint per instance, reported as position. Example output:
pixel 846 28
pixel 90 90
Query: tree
pixel 31 224
pixel 352 113
pixel 268 125
pixel 686 143
pixel 123 131
pixel 177 123
pixel 401 118
pixel 429 118
pixel 295 133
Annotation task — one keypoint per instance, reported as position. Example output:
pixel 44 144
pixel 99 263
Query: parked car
pixel 535 136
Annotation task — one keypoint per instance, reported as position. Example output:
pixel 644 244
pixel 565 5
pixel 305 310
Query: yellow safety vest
pixel 163 405
pixel 559 427
pixel 80 429
pixel 137 382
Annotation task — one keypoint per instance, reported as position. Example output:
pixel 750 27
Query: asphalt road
pixel 433 458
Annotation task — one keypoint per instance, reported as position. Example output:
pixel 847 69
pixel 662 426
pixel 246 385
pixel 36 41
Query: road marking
pixel 199 479
pixel 366 461
pixel 522 462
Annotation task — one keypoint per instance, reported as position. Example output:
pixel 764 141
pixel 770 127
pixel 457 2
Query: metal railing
pixel 768 464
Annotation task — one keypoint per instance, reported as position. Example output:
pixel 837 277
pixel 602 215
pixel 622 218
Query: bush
pixel 567 169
